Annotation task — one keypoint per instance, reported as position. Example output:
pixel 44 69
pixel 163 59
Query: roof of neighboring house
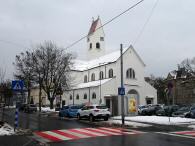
pixel 93 26
pixel 91 84
pixel 80 65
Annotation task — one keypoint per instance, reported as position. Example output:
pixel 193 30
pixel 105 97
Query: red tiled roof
pixel 93 27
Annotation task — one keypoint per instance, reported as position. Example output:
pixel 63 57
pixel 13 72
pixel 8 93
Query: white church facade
pixel 96 80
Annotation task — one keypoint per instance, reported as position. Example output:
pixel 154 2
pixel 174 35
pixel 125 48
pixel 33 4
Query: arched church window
pixel 98 45
pixel 110 73
pixel 101 75
pixel 93 96
pixel 70 97
pixel 85 79
pixel 85 96
pixel 77 97
pixel 130 73
pixel 93 77
pixel 90 46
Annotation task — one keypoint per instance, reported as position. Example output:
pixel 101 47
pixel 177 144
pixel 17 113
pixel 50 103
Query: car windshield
pixel 76 107
pixel 101 107
pixel 184 109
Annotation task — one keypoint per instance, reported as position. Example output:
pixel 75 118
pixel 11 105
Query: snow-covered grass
pixel 6 130
pixel 192 126
pixel 158 120
pixel 47 109
pixel 128 123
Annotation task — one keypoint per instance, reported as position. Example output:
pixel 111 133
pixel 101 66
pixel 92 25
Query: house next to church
pixel 96 79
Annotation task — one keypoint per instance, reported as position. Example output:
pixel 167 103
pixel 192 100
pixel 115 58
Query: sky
pixel 166 40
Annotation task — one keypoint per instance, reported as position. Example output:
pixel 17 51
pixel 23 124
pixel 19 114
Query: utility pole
pixel 122 96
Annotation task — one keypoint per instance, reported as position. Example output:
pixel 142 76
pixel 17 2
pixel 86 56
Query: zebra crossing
pixel 80 133
pixel 185 133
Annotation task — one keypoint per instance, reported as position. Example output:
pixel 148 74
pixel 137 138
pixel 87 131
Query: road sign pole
pixel 16 118
pixel 122 96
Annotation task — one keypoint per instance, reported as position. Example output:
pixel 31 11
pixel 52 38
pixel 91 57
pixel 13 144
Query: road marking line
pixel 103 131
pixel 75 133
pixel 62 137
pixel 65 134
pixel 184 132
pixel 82 132
pixel 177 135
pixel 47 136
pixel 90 132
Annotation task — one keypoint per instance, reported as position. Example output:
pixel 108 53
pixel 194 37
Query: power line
pixel 146 22
pixel 74 43
pixel 12 43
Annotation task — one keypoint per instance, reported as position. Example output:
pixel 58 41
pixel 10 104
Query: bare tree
pixel 52 67
pixel 188 65
pixel 2 75
pixel 24 70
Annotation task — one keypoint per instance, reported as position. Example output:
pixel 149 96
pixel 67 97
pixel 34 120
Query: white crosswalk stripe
pixel 79 133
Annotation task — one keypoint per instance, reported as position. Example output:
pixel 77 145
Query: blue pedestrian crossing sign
pixel 121 91
pixel 17 85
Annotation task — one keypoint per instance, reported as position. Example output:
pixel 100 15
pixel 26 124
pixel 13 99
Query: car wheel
pixel 91 118
pixel 106 118
pixel 78 117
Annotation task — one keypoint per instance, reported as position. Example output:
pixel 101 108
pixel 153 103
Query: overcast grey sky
pixel 168 38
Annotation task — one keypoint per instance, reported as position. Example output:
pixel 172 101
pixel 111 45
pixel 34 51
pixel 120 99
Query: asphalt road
pixel 43 123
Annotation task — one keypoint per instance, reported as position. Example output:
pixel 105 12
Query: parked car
pixel 69 110
pixel 151 110
pixel 182 112
pixel 93 112
pixel 167 110
pixel 30 108
pixel 191 113
pixel 141 108
pixel 22 107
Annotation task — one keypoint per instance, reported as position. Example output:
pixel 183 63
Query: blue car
pixel 69 110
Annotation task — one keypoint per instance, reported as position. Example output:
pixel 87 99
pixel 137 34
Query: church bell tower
pixel 95 40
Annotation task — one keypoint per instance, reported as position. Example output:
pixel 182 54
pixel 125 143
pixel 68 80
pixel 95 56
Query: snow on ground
pixel 192 126
pixel 128 123
pixel 47 109
pixel 6 130
pixel 158 120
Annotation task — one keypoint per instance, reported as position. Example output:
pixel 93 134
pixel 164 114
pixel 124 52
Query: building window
pixel 101 76
pixel 70 97
pixel 88 39
pixel 77 97
pixel 130 73
pixel 93 96
pixel 85 79
pixel 92 77
pixel 85 96
pixel 110 73
pixel 90 46
pixel 101 38
pixel 98 45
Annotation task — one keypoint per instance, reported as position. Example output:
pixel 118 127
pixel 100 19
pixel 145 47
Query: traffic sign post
pixel 121 91
pixel 17 86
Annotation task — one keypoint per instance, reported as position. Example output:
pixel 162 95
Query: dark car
pixel 167 110
pixel 151 110
pixel 191 113
pixel 22 106
pixel 30 108
pixel 182 112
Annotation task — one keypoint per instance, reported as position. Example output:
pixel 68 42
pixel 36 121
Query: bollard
pixel 16 119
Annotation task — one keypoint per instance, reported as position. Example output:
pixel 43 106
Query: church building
pixel 96 79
